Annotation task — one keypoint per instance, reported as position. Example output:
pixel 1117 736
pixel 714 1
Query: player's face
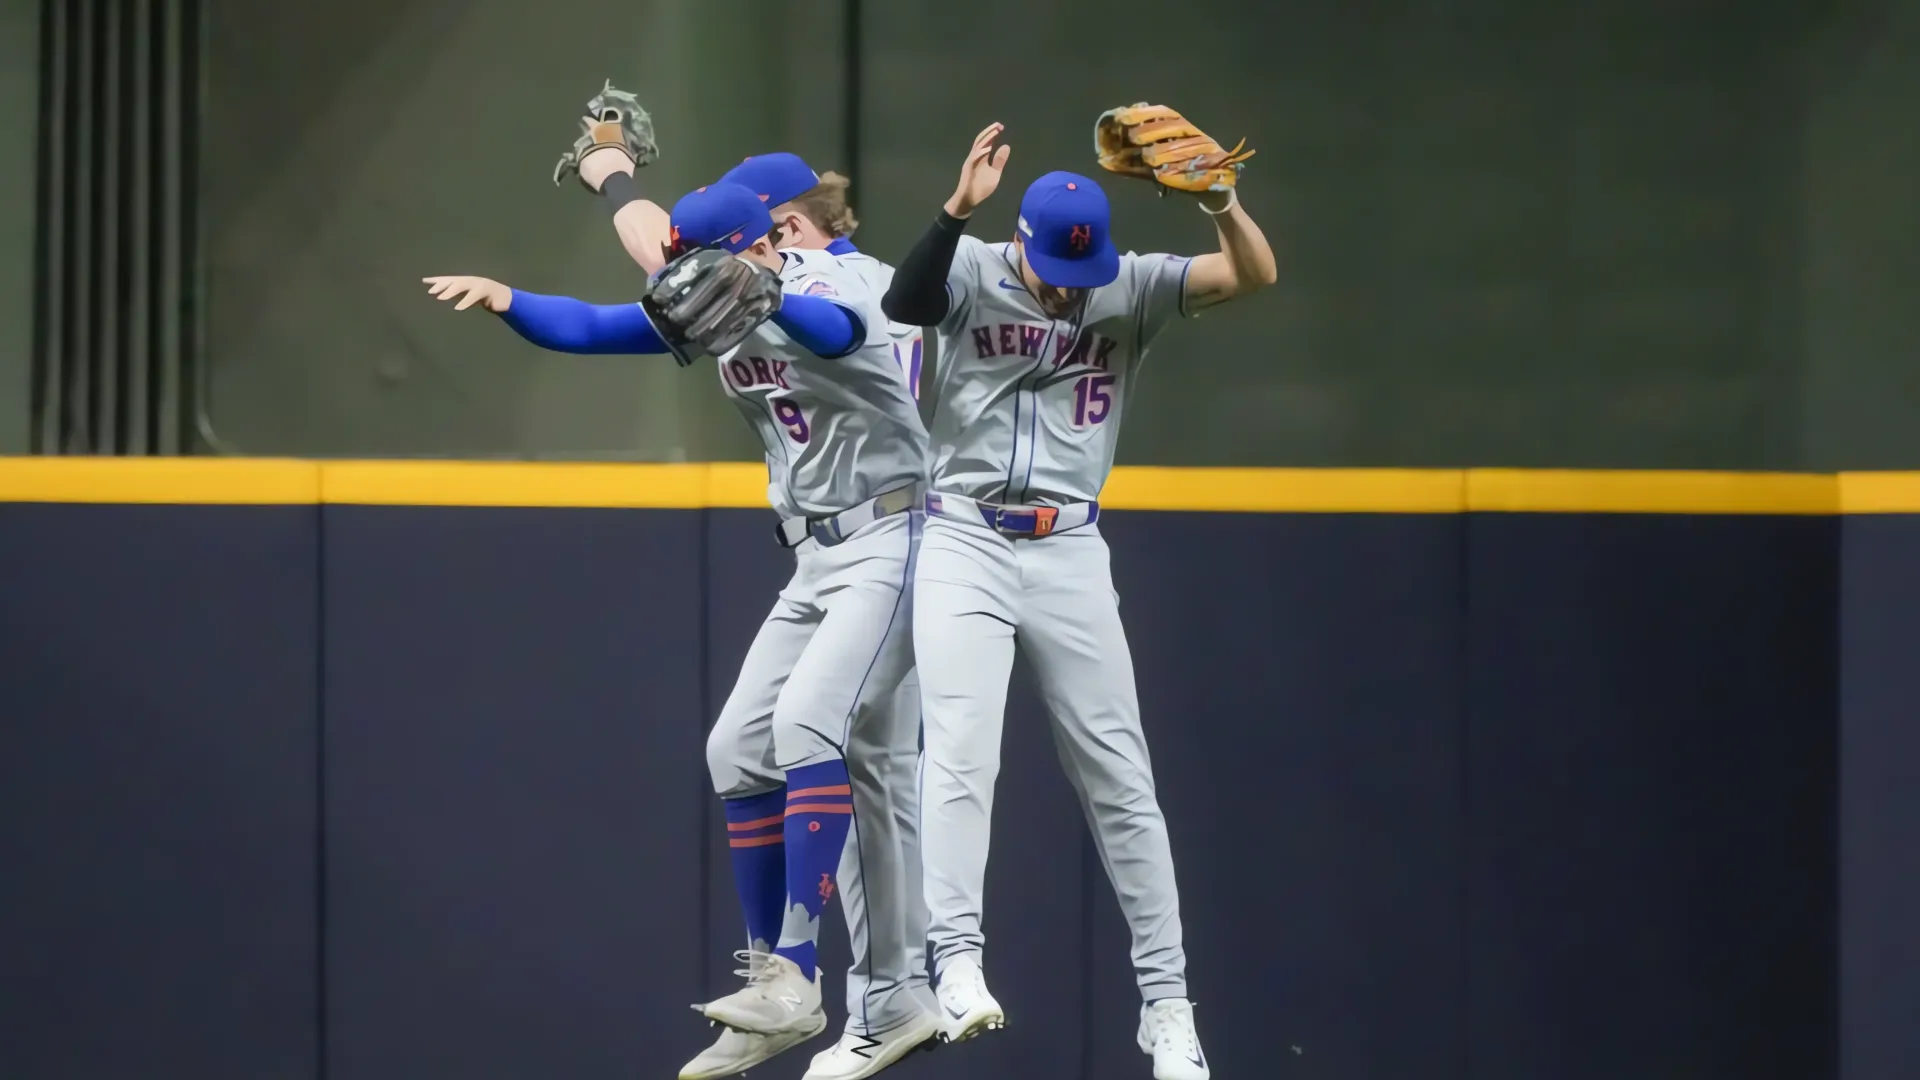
pixel 1054 301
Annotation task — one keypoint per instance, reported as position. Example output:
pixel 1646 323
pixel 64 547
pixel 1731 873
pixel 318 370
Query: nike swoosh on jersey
pixel 1011 287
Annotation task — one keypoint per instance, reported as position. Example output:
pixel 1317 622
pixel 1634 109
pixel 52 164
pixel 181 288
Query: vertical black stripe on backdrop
pixel 70 314
pixel 125 242
pixel 191 101
pixel 98 258
pixel 45 177
pixel 852 44
pixel 156 194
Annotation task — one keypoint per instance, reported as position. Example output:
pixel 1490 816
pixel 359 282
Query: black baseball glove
pixel 706 302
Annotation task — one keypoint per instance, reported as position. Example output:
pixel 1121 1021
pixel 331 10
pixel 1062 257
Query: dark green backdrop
pixel 1644 233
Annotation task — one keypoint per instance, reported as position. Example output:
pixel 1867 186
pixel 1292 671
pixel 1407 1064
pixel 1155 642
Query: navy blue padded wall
pixel 513 839
pixel 1300 682
pixel 157 791
pixel 1880 797
pixel 1650 782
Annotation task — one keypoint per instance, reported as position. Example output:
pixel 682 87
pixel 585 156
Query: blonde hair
pixel 825 204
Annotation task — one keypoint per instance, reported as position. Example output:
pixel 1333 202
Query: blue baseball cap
pixel 1064 230
pixel 725 216
pixel 776 178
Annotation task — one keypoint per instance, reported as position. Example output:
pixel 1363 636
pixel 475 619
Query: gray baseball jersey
pixel 1030 406
pixel 837 432
pixel 909 342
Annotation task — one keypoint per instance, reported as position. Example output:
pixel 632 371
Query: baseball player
pixel 889 1006
pixel 811 367
pixel 888 1002
pixel 1041 340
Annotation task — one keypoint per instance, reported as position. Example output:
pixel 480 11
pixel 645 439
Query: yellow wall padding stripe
pixel 1880 493
pixel 460 483
pixel 1281 491
pixel 197 481
pixel 744 484
pixel 464 483
pixel 1650 492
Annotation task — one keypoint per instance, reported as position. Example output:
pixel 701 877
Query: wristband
pixel 618 190
pixel 1233 200
pixel 949 223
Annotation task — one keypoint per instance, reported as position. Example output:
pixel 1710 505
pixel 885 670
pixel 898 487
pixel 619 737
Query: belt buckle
pixel 1043 520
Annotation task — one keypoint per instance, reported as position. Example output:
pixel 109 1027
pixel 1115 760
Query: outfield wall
pixel 369 771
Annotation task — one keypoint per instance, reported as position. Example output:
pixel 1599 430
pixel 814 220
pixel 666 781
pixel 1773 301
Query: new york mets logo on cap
pixel 1064 226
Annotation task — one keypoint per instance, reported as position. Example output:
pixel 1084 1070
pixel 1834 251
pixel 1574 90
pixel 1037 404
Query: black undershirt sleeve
pixel 918 295
pixel 617 190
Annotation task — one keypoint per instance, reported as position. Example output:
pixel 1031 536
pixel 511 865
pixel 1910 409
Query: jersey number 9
pixel 1092 399
pixel 790 417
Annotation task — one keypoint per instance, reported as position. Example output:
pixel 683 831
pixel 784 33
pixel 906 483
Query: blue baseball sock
pixel 819 813
pixel 757 840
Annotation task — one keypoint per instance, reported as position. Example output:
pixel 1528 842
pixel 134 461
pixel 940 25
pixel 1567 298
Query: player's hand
pixel 469 291
pixel 980 175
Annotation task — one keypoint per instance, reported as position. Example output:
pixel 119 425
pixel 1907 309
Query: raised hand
pixel 980 174
pixel 469 291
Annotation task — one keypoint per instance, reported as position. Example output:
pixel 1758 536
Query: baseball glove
pixel 614 118
pixel 1154 142
pixel 706 302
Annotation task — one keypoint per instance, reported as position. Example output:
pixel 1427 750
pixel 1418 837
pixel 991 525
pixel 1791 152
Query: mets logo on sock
pixel 826 887
pixel 1081 238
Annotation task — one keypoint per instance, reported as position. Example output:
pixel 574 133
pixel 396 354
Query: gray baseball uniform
pixel 824 675
pixel 883 761
pixel 1029 412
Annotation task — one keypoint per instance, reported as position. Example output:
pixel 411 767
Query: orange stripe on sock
pixel 749 826
pixel 819 808
pixel 843 789
pixel 756 841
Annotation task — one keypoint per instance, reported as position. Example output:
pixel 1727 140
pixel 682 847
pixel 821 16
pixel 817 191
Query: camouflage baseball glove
pixel 614 118
pixel 1156 143
pixel 706 301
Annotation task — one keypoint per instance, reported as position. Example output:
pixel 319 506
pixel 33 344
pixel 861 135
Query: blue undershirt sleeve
pixel 824 328
pixel 564 324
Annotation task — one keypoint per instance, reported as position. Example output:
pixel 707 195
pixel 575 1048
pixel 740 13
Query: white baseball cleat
pixel 1166 1032
pixel 737 1051
pixel 778 999
pixel 856 1057
pixel 966 1008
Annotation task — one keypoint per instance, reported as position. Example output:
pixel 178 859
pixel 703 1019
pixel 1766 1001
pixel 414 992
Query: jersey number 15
pixel 1092 399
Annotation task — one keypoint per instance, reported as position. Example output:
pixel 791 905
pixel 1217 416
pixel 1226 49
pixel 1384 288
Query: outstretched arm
pixel 560 323
pixel 564 324
pixel 1244 262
